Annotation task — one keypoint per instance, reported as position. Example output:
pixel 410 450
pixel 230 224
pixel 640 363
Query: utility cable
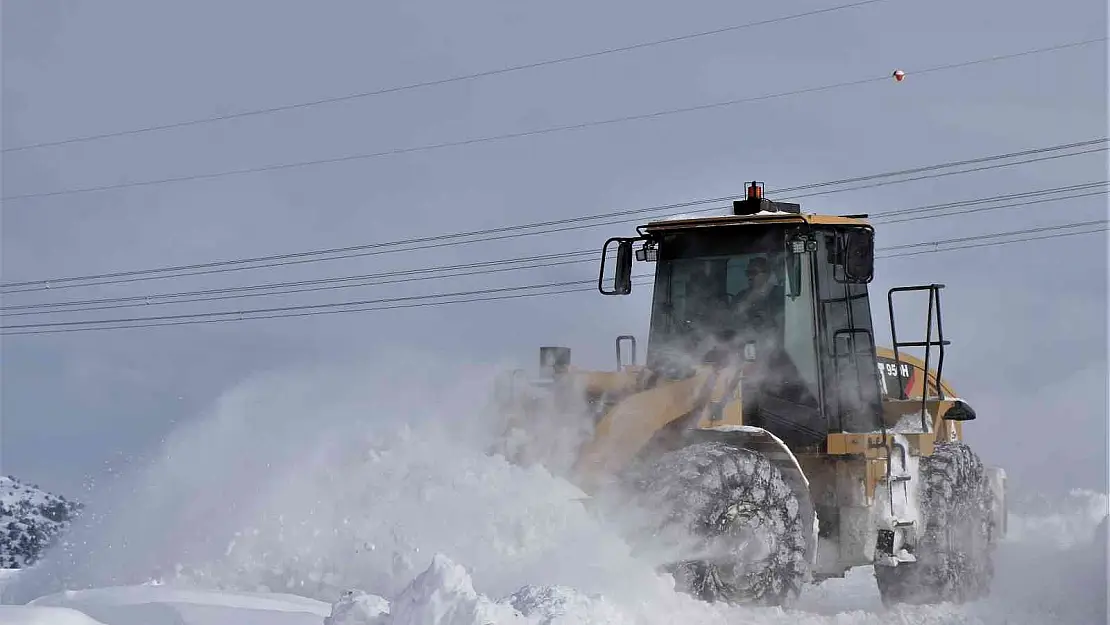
pixel 936 175
pixel 539 131
pixel 463 300
pixel 1052 192
pixel 300 307
pixel 637 280
pixel 980 237
pixel 445 240
pixel 310 307
pixel 144 301
pixel 981 209
pixel 329 280
pixel 324 312
pixel 1057 235
pixel 443 81
pixel 473 268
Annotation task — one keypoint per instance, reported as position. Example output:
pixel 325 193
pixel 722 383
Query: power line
pixel 268 285
pixel 937 175
pixel 237 292
pixel 999 234
pixel 1052 192
pixel 438 239
pixel 476 268
pixel 323 312
pixel 466 300
pixel 443 81
pixel 478 264
pixel 277 311
pixel 445 240
pixel 470 300
pixel 997 207
pixel 540 131
pixel 965 171
pixel 299 307
pixel 1057 235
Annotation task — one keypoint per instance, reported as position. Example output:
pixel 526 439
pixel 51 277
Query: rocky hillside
pixel 30 521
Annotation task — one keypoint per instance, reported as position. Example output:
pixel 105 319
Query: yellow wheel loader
pixel 767 441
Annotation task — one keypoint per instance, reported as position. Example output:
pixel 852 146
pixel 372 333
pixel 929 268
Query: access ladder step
pixel 936 343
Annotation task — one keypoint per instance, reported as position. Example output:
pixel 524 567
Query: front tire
pixel 954 554
pixel 717 496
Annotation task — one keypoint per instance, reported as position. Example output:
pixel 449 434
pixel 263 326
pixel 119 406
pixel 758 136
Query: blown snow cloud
pixel 368 491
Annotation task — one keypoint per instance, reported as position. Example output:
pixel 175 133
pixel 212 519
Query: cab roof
pixel 686 222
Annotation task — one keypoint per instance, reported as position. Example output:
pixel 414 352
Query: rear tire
pixel 717 496
pixel 954 554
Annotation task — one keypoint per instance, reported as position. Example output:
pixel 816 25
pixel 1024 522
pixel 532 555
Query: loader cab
pixel 783 291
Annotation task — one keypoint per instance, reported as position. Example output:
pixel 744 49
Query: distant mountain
pixel 31 520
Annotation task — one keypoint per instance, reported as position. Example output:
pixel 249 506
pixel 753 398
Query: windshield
pixel 721 290
pixel 713 297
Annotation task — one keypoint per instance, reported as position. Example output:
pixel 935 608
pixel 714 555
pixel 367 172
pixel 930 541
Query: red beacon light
pixel 754 202
pixel 754 190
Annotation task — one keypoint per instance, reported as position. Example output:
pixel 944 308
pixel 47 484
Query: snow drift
pixel 370 491
pixel 342 478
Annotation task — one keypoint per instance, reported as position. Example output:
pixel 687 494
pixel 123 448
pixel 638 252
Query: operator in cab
pixel 758 307
pixel 705 309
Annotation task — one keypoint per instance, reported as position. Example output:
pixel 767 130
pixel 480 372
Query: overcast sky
pixel 1028 321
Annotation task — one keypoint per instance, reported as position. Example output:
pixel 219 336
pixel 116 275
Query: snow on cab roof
pixel 725 216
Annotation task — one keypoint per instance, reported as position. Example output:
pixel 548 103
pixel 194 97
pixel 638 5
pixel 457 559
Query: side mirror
pixel 622 276
pixel 859 257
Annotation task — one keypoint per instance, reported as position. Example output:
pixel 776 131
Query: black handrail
pixel 630 338
pixel 928 344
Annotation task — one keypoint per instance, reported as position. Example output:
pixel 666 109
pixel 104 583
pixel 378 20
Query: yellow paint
pixel 610 382
pixel 917 367
pixel 874 445
pixel 732 410
pixel 629 425
pixel 633 421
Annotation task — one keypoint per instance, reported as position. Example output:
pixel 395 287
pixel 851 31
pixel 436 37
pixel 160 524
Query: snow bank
pixel 316 483
pixel 444 595
pixel 25 615
pixel 356 607
pixel 313 483
pixel 152 593
pixel 158 605
pixel 7 576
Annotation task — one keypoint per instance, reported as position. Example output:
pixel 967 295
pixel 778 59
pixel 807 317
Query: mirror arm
pixel 798 244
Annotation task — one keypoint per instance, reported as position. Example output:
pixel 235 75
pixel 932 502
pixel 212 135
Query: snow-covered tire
pixel 954 554
pixel 714 496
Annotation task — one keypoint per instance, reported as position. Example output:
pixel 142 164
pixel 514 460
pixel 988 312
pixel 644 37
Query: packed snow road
pixel 298 488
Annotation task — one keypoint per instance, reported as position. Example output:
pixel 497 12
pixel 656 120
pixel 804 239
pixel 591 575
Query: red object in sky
pixel 899 75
